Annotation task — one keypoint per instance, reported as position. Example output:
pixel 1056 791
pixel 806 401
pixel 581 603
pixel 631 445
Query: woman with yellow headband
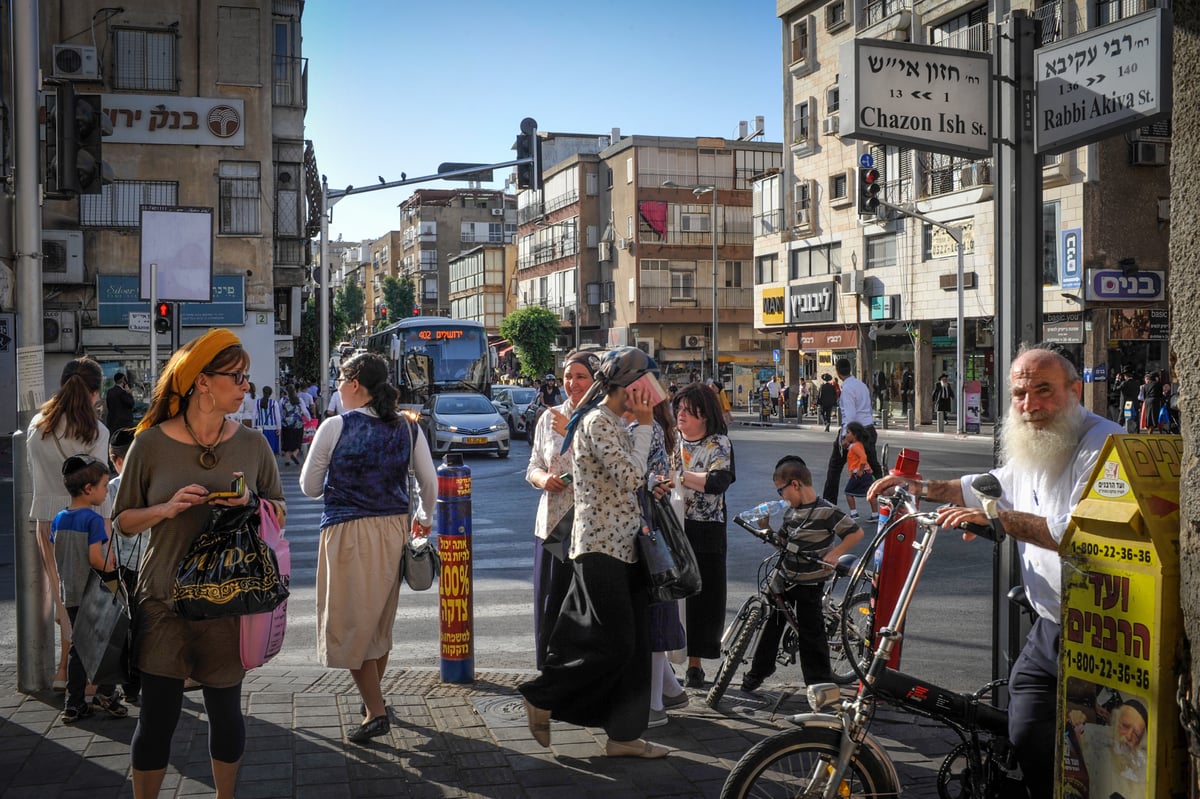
pixel 184 450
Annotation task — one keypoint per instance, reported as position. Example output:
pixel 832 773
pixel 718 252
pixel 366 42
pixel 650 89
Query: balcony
pixel 694 298
pixel 530 213
pixel 290 81
pixel 977 37
pixel 657 179
pixel 1114 10
pixel 1059 20
pixel 769 223
pixel 889 15
pixel 561 201
pixel 956 176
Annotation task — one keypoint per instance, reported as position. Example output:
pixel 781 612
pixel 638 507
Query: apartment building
pixel 438 224
pixel 207 106
pixel 620 244
pixel 384 258
pixel 481 284
pixel 882 289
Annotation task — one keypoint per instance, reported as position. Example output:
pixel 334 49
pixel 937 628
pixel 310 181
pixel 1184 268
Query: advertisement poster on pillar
pixel 1071 271
pixel 813 302
pixel 176 242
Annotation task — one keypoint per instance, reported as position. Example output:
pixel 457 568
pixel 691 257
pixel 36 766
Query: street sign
pixel 866 160
pixel 139 321
pixel 775 356
pixel 483 175
pixel 934 98
pixel 1103 82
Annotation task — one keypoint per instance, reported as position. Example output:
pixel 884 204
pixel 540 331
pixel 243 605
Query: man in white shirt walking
pixel 855 405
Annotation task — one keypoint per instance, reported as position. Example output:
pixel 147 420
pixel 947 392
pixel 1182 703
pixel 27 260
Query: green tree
pixel 398 297
pixel 307 362
pixel 531 331
pixel 349 304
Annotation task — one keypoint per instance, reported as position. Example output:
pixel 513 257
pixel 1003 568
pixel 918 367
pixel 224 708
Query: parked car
pixel 464 422
pixel 514 400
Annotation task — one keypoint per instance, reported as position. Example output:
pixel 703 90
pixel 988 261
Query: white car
pixel 464 422
pixel 515 400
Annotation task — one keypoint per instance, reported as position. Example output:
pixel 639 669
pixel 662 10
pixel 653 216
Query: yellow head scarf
pixel 187 363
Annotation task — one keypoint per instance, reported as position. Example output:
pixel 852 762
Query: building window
pixel 967 31
pixel 1050 223
pixel 694 223
pixel 733 274
pixel 833 98
pixel 766 269
pixel 881 251
pixel 683 284
pixel 239 198
pixel 800 41
pixel 824 259
pixel 839 187
pixel 835 15
pixel 144 60
pixel 119 204
pixel 802 123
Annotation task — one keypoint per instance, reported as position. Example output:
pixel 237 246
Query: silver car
pixel 515 399
pixel 464 422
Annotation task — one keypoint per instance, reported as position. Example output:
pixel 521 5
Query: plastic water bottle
pixel 767 509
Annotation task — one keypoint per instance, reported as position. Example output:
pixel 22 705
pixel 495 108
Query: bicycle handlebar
pixel 769 536
pixel 908 505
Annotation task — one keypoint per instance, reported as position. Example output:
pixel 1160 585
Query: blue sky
pixel 404 85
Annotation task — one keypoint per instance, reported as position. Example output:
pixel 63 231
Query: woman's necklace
pixel 208 458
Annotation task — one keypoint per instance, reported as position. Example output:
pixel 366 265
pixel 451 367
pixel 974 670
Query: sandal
pixel 75 713
pixel 638 747
pixel 539 723
pixel 110 705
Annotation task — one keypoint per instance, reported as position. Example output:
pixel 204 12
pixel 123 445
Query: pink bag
pixel 310 430
pixel 262 633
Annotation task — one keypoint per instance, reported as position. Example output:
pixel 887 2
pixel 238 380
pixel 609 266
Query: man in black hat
pixel 1127 389
pixel 118 403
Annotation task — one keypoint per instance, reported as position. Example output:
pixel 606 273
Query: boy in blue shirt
pixel 78 534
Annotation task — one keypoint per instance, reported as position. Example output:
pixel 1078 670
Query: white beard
pixel 1046 451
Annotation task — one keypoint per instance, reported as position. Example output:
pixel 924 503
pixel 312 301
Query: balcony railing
pixel 1115 10
pixel 977 37
pixel 879 10
pixel 530 213
pixel 561 200
pixel 290 81
pixel 697 238
pixel 769 223
pixel 657 179
pixel 1058 21
pixel 697 297
pixel 955 176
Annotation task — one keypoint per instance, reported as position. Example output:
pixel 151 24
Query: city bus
pixel 427 355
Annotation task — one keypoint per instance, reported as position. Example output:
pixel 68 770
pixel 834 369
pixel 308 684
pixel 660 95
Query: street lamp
pixel 700 191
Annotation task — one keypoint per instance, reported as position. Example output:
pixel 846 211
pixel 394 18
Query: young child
pixel 860 471
pixel 129 550
pixel 79 534
pixel 815 527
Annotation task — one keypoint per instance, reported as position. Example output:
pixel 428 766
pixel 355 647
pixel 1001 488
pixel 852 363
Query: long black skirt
pixel 705 611
pixel 551 580
pixel 597 669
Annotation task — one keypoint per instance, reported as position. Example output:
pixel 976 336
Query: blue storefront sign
pixel 117 295
pixel 1108 285
pixel 1071 270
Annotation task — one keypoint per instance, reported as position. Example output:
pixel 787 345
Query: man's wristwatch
pixel 922 488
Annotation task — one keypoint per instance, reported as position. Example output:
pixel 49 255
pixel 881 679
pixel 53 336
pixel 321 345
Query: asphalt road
pixel 947 639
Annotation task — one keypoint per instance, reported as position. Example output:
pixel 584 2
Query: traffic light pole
pixel 153 325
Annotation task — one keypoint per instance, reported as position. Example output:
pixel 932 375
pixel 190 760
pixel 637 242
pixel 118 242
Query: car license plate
pixel 476 440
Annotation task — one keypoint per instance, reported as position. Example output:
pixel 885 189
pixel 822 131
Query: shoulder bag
pixel 103 631
pixel 664 551
pixel 420 564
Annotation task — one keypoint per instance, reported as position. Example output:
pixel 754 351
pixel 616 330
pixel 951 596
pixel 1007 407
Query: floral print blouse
pixel 709 454
pixel 544 455
pixel 609 467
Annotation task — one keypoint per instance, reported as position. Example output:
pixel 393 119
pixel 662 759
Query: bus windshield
pixel 428 355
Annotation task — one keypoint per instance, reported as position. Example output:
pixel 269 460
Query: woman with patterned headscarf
pixel 597 667
pixel 66 424
pixel 550 470
pixel 185 449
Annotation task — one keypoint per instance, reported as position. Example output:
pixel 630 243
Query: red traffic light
pixel 164 310
pixel 162 317
pixel 383 311
pixel 868 200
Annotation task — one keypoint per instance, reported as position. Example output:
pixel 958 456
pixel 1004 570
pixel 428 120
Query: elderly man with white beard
pixel 1049 445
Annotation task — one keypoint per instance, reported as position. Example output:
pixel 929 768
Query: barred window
pixel 239 197
pixel 119 204
pixel 144 60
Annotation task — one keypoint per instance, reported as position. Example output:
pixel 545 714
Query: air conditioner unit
pixel 1149 153
pixel 497 212
pixel 622 244
pixel 646 345
pixel 62 256
pixel 604 251
pixel 830 125
pixel 60 332
pixel 562 342
pixel 692 342
pixel 852 282
pixel 974 175
pixel 803 218
pixel 76 61
pixel 604 307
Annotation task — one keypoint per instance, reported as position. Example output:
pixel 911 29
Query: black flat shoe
pixel 693 677
pixel 369 729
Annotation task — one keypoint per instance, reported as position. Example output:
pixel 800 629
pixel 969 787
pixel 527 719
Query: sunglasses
pixel 239 378
pixel 77 462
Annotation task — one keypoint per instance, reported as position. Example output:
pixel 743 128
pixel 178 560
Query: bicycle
pixel 848 614
pixel 831 753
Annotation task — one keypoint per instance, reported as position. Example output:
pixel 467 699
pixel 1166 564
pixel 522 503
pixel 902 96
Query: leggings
pixel 162 702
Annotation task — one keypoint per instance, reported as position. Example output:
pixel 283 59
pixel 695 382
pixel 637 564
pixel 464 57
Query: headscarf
pixel 187 364
pixel 589 360
pixel 618 367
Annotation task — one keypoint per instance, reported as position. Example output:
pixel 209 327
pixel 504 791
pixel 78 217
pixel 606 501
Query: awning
pixel 504 351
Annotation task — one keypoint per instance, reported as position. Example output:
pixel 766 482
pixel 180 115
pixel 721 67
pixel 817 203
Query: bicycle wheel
pixel 742 636
pixel 848 628
pixel 796 763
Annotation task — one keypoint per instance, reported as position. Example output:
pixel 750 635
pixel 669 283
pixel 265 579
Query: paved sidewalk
pixel 446 741
pixel 896 426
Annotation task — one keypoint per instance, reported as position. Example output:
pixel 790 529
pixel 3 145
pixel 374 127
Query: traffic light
pixel 529 175
pixel 162 317
pixel 60 141
pixel 870 183
pixel 91 126
pixel 383 311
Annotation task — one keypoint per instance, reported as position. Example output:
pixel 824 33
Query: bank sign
pixel 1113 285
pixel 814 302
pixel 934 98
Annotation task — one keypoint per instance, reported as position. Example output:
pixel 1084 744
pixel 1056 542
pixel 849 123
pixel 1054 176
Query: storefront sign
pixel 839 339
pixel 1139 324
pixel 885 307
pixel 774 307
pixel 971 405
pixel 940 244
pixel 117 296
pixel 815 302
pixel 1071 269
pixel 172 119
pixel 1109 285
pixel 1062 328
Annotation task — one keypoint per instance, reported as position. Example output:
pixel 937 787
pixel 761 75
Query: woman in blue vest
pixel 359 462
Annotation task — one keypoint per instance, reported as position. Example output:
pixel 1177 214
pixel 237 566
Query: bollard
pixel 885 410
pixel 912 418
pixel 454 583
pixel 941 421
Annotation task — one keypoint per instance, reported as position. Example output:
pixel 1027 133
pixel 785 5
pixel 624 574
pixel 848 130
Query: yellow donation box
pixel 1122 627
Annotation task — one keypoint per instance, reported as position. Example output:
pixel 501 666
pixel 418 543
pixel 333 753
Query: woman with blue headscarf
pixel 597 666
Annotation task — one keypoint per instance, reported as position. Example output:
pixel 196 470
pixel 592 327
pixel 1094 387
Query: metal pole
pixel 716 368
pixel 323 293
pixel 153 323
pixel 577 282
pixel 959 356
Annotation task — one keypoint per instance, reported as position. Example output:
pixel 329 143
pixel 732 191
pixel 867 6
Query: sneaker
pixel 657 718
pixel 751 682
pixel 675 702
pixel 694 678
pixel 874 517
pixel 110 705
pixel 853 514
pixel 76 712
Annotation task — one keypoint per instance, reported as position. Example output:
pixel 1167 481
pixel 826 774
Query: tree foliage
pixel 307 362
pixel 398 296
pixel 532 331
pixel 350 304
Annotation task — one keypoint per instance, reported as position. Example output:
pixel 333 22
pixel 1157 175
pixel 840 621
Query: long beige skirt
pixel 358 588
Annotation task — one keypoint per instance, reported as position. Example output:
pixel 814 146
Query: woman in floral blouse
pixel 705 459
pixel 547 464
pixel 597 667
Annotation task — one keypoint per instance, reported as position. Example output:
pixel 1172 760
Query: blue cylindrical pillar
pixel 454 583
